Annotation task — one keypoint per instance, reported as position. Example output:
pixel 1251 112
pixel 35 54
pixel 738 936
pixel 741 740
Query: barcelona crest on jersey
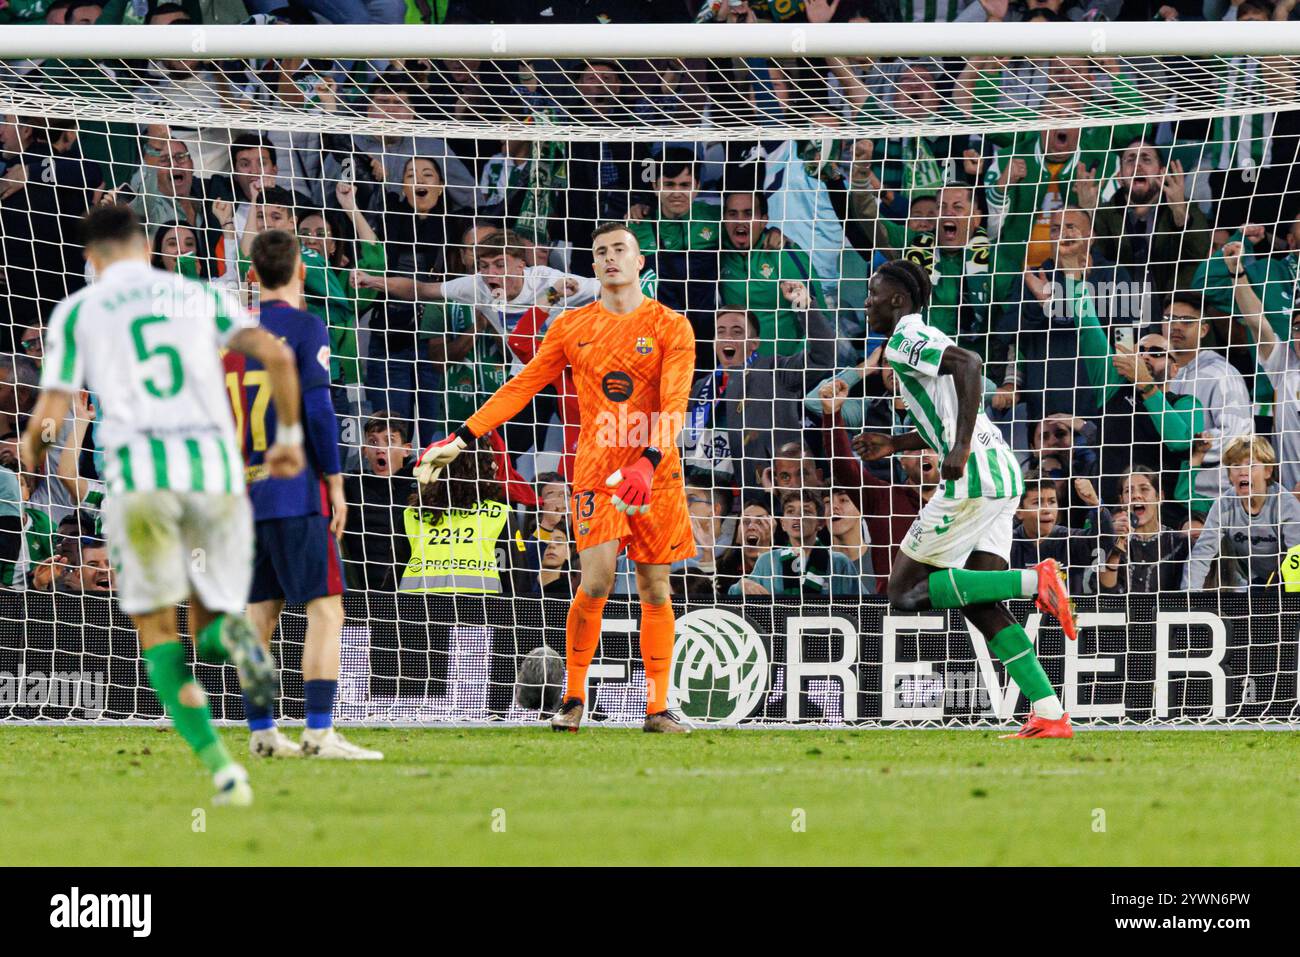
pixel 645 345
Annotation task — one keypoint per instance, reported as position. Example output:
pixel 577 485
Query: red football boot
pixel 1054 599
pixel 1037 727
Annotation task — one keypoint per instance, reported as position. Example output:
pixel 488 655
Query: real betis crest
pixel 645 345
pixel 766 270
pixel 706 233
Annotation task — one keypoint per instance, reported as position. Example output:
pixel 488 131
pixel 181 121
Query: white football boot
pixel 232 787
pixel 328 743
pixel 272 743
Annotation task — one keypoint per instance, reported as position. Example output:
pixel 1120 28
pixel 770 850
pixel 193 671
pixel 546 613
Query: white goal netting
pixel 1113 228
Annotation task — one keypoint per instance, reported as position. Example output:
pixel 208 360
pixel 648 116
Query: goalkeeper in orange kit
pixel 632 359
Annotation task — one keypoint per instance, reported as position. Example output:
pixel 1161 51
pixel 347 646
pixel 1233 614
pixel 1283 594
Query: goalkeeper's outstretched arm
pixel 541 370
pixel 505 403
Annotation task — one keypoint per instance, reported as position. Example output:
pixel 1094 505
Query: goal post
pixel 1107 213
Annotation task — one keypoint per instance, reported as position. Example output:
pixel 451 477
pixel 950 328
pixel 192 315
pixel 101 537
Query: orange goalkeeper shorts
pixel 660 536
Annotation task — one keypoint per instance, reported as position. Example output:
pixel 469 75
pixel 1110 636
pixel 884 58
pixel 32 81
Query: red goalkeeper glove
pixel 632 484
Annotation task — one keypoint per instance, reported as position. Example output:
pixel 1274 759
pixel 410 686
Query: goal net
pixel 1107 214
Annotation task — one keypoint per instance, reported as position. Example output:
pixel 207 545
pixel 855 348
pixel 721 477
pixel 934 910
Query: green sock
pixel 168 673
pixel 207 644
pixel 959 587
pixel 1013 648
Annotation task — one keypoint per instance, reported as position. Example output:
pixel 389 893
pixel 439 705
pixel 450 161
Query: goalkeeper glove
pixel 440 454
pixel 632 484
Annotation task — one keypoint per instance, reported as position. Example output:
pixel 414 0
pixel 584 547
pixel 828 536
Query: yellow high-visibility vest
pixel 1291 569
pixel 458 553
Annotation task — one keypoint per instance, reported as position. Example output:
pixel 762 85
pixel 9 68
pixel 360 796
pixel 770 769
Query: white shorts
pixel 949 529
pixel 165 545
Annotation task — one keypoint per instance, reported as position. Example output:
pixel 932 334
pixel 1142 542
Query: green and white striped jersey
pixel 930 11
pixel 147 343
pixel 1237 141
pixel 914 352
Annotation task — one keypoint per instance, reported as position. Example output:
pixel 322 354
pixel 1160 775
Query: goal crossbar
pixel 588 41
pixel 1178 72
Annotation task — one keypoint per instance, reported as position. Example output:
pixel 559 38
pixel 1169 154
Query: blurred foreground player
pixel 297 520
pixel 632 359
pixel 147 343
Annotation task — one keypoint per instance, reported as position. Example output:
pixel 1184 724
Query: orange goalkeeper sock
pixel 582 635
pixel 657 625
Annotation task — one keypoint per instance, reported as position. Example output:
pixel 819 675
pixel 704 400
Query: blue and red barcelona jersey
pixel 249 387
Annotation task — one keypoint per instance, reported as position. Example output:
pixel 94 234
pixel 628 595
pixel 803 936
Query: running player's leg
pixel 170 676
pixel 931 569
pixel 145 541
pixel 1009 641
pixel 916 586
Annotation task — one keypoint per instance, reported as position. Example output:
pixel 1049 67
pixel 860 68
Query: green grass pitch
pixel 96 796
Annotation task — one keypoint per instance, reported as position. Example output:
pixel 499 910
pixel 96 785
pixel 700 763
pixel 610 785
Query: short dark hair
pixel 249 141
pixel 804 496
pixel 613 227
pixel 277 196
pixel 1187 298
pixel 381 420
pixel 275 256
pixel 751 495
pixel 852 494
pixel 751 320
pixel 1037 486
pixel 677 160
pixel 1143 140
pixel 111 225
pixel 719 496
pixel 165 8
pixel 551 478
pixel 760 199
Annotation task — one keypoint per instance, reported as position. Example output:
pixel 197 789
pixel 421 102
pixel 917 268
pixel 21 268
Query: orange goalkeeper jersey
pixel 633 375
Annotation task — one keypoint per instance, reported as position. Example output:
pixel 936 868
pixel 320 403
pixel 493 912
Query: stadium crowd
pixel 1129 287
